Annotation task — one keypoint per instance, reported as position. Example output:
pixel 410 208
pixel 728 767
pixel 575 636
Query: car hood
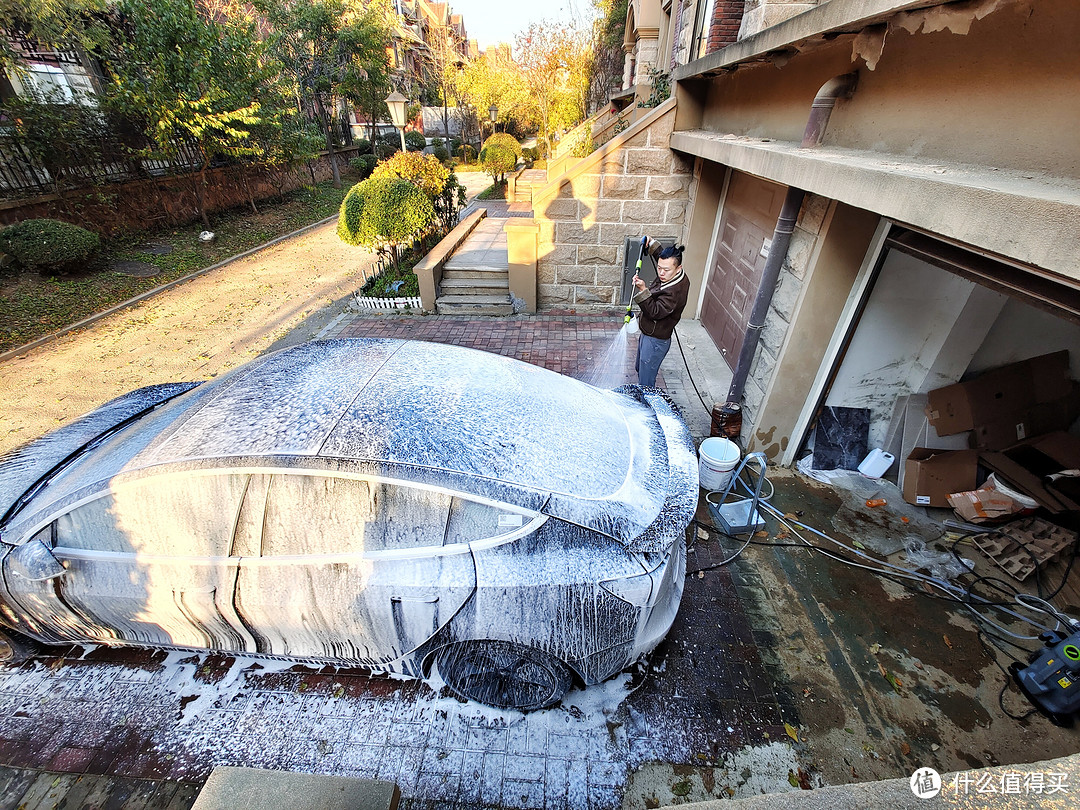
pixel 599 458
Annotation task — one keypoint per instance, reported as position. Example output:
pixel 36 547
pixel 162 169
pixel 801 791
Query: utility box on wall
pixel 631 254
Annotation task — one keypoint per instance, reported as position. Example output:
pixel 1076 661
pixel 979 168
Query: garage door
pixel 746 226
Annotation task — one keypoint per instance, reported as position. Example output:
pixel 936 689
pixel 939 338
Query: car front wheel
pixel 503 674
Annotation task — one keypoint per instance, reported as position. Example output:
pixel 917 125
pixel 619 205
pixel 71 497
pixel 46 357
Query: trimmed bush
pixel 385 211
pixel 466 153
pixel 504 140
pixel 424 170
pixel 415 141
pixel 497 159
pixel 364 165
pixel 363 146
pixel 48 245
pixel 530 153
pixel 440 153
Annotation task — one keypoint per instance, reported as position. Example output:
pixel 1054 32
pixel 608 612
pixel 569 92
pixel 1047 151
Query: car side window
pixel 471 521
pixel 311 514
pixel 176 515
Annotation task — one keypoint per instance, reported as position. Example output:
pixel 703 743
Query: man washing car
pixel 661 305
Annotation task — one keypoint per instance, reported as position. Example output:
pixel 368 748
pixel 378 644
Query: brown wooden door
pixel 750 211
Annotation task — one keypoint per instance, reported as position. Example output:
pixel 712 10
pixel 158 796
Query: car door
pixel 360 568
pixel 146 562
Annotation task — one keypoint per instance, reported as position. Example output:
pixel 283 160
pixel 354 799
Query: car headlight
pixel 640 590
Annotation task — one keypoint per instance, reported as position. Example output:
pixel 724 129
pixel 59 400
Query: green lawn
pixel 32 305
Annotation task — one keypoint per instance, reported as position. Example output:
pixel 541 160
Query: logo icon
pixel 925 783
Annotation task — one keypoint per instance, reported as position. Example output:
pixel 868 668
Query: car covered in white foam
pixel 396 505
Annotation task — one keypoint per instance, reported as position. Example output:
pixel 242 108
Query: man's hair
pixel 673 252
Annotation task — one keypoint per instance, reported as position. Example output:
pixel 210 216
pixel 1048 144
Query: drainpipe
pixel 837 87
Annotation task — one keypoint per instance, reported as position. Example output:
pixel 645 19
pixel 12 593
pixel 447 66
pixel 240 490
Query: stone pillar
pixel 521 252
pixel 628 67
pixel 761 14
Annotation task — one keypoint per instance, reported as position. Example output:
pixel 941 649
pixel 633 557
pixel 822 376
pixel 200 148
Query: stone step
pixel 255 789
pixel 474 272
pixel 474 305
pixel 481 284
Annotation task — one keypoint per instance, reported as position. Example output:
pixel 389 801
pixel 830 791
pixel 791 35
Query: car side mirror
pixel 34 560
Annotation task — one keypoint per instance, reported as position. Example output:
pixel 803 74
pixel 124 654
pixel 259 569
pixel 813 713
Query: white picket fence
pixel 377 304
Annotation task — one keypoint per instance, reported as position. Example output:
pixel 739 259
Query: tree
pixel 384 213
pixel 193 81
pixel 330 49
pixel 551 58
pixel 498 157
pixel 606 65
pixel 484 82
pixel 431 177
pixel 59 24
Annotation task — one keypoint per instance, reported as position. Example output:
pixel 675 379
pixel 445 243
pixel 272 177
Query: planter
pixel 377 304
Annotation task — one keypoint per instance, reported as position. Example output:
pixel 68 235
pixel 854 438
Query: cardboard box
pixel 931 476
pixel 1026 465
pixel 1002 395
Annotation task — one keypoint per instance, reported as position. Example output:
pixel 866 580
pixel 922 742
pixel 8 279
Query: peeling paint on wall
pixel 869 44
pixel 954 17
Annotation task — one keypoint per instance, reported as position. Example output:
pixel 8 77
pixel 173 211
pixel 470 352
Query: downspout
pixel 837 87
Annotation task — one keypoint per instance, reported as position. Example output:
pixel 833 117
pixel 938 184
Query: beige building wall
pixel 963 123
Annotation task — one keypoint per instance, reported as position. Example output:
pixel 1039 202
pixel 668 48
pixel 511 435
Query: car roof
pixel 411 405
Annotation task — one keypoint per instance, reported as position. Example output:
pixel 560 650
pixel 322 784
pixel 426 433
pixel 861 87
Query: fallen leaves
pixel 895 682
pixel 875 648
pixel 791 732
pixel 801 779
pixel 681 788
pixel 947 642
pixel 905 749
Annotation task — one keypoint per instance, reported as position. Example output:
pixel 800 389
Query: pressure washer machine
pixel 1051 680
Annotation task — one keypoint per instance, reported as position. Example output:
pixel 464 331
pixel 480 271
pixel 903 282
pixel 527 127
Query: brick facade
pixel 724 26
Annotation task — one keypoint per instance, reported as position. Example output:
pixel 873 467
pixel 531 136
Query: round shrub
pixel 497 159
pixel 415 141
pixel 364 165
pixel 48 245
pixel 363 146
pixel 384 211
pixel 440 153
pixel 504 140
pixel 425 171
pixel 466 153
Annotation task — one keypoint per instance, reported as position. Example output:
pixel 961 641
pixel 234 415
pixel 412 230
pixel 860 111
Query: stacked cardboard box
pixel 1014 417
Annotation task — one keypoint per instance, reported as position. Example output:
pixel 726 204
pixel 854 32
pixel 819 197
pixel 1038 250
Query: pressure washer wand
pixel 637 269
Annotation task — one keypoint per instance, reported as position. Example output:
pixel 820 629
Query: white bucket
pixel 717 457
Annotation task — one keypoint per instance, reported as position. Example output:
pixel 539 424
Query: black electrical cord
pixel 983 638
pixel 690 376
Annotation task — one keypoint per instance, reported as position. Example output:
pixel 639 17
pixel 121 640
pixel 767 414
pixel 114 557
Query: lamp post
pixel 396 104
pixel 493 112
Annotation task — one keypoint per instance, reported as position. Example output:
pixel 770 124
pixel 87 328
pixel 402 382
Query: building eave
pixel 785 38
pixel 961 201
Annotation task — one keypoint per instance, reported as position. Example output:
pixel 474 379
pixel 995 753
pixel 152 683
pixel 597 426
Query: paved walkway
pixel 483 249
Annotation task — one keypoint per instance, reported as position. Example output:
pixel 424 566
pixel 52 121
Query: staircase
pixel 476 280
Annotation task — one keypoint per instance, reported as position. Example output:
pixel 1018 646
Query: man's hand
pixel 640 284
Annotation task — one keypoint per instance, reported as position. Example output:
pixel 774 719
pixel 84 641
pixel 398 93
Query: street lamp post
pixel 493 112
pixel 396 104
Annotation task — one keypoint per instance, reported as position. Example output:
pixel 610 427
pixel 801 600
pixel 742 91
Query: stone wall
pixel 164 201
pixel 778 321
pixel 761 14
pixel 633 185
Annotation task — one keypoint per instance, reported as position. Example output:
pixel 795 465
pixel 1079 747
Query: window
pixel 181 514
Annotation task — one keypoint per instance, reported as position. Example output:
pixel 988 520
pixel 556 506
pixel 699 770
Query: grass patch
pixel 493 192
pixel 32 305
pixel 383 285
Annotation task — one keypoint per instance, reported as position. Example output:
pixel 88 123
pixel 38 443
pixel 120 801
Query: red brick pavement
pixel 587 348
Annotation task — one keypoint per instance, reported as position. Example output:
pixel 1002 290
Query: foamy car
pixel 396 505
